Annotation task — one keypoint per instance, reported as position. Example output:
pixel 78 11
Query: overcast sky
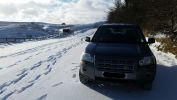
pixel 55 11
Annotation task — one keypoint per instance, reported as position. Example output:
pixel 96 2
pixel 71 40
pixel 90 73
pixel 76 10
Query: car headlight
pixel 147 61
pixel 87 57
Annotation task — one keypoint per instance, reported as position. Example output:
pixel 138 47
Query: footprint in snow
pixel 7 96
pixel 74 63
pixel 14 64
pixel 26 87
pixel 74 69
pixel 19 78
pixel 51 58
pixel 74 76
pixel 48 71
pixel 57 84
pixel 19 61
pixel 77 66
pixel 2 91
pixel 36 65
pixel 54 62
pixel 59 56
pixel 36 78
pixel 38 53
pixel 48 66
pixel 22 72
pixel 43 97
pixel 27 58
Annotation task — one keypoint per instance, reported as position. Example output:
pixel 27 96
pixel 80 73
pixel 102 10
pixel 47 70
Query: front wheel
pixel 83 78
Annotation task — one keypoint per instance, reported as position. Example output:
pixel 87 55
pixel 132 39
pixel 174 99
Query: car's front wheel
pixel 83 78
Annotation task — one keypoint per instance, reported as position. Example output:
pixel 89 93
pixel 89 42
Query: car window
pixel 118 35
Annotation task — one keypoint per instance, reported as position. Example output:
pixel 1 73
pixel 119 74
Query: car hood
pixel 121 50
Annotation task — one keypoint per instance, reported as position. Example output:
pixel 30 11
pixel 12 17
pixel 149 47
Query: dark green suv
pixel 118 52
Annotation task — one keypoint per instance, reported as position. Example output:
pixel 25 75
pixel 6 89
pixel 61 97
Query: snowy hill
pixel 48 70
pixel 23 30
pixel 35 29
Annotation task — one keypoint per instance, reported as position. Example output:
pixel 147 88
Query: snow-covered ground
pixel 49 70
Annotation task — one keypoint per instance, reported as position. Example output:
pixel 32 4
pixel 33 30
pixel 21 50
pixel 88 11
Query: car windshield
pixel 118 35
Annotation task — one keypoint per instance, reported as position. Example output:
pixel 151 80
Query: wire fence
pixel 18 40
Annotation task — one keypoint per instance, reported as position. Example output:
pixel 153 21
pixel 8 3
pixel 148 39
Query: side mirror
pixel 87 39
pixel 151 40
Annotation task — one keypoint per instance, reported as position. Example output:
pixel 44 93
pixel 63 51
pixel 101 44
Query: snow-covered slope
pixel 23 30
pixel 37 29
pixel 49 70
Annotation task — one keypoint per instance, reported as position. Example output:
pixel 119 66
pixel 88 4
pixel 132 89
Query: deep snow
pixel 49 70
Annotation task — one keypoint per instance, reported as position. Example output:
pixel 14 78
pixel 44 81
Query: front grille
pixel 115 64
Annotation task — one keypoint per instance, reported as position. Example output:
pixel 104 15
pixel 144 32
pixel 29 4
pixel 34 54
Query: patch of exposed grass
pixel 167 45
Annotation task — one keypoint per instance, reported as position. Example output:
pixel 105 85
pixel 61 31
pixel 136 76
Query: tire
pixel 147 86
pixel 83 78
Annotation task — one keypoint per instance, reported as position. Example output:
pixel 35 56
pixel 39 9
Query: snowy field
pixel 49 70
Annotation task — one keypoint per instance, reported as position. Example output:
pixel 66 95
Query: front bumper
pixel 141 74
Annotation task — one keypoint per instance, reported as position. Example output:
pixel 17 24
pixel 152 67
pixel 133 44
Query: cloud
pixel 7 9
pixel 55 11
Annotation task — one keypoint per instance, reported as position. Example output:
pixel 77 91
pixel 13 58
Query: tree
pixel 152 15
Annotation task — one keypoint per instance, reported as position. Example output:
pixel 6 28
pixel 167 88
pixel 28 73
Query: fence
pixel 18 40
pixel 14 40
